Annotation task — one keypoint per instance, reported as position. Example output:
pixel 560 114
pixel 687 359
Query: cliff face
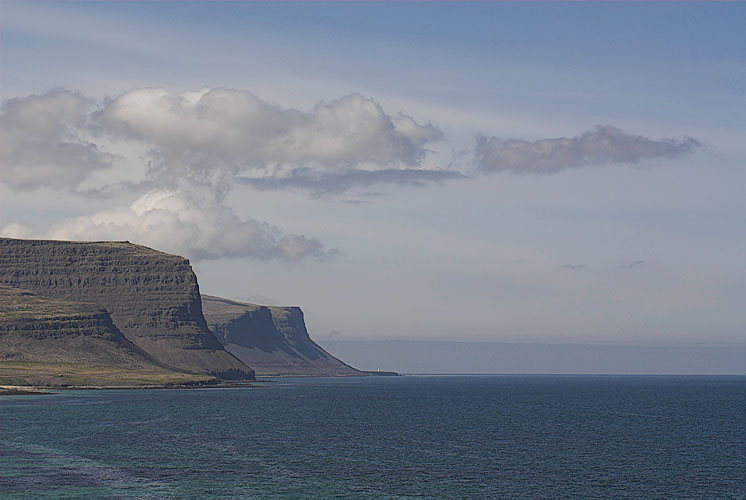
pixel 273 340
pixel 27 318
pixel 58 342
pixel 152 297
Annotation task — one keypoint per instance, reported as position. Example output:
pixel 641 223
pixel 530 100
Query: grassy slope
pixel 81 374
pixel 54 342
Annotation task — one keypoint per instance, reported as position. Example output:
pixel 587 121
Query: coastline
pixel 22 390
pixel 30 390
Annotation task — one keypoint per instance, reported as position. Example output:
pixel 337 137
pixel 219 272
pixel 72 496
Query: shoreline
pixel 30 390
pixel 23 390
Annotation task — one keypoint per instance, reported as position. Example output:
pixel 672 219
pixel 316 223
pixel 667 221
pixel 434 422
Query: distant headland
pixel 117 314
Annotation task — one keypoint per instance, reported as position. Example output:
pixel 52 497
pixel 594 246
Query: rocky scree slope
pixel 152 297
pixel 273 340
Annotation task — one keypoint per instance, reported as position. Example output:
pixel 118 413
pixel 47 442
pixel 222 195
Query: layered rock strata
pixel 152 297
pixel 37 329
pixel 273 340
pixel 47 341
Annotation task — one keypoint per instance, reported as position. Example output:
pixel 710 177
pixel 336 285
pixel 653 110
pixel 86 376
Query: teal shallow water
pixel 490 437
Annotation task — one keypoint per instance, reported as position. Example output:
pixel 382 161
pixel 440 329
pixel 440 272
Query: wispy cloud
pixel 603 145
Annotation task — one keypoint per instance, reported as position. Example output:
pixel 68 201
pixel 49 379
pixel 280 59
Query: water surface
pixel 436 437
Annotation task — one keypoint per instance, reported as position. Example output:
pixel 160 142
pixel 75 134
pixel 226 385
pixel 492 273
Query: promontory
pixel 120 314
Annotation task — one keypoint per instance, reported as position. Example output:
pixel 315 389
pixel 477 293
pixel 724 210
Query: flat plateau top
pixel 123 246
pixel 219 308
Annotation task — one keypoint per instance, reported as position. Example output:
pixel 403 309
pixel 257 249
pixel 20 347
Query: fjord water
pixel 436 437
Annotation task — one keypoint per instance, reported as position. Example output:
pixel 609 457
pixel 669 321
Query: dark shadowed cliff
pixel 273 340
pixel 152 297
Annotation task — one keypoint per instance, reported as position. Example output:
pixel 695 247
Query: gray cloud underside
pixel 44 141
pixel 601 146
pixel 320 183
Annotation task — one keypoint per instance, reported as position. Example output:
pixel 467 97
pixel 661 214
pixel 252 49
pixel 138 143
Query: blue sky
pixel 593 249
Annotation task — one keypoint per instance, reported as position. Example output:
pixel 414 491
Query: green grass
pixel 76 374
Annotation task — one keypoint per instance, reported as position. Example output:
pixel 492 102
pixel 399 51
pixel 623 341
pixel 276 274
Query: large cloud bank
pixel 205 137
pixel 220 137
pixel 175 222
pixel 600 146
pixel 174 145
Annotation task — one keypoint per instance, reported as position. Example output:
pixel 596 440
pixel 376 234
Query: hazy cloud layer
pixel 602 145
pixel 175 222
pixel 46 141
pixel 635 263
pixel 573 267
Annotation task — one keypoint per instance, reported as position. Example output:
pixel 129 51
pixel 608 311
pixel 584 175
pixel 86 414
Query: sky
pixel 557 173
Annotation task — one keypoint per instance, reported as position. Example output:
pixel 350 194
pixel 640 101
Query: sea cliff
pixel 151 297
pixel 273 340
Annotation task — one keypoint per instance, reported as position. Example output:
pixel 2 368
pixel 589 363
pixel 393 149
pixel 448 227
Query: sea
pixel 412 437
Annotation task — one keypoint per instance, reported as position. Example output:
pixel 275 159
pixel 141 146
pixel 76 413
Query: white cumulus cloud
pixel 215 132
pixel 241 130
pixel 174 222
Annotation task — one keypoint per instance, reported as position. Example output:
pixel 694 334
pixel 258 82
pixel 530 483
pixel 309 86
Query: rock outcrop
pixel 273 340
pixel 152 297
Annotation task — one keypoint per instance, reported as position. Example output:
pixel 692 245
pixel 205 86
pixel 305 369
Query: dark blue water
pixel 482 437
